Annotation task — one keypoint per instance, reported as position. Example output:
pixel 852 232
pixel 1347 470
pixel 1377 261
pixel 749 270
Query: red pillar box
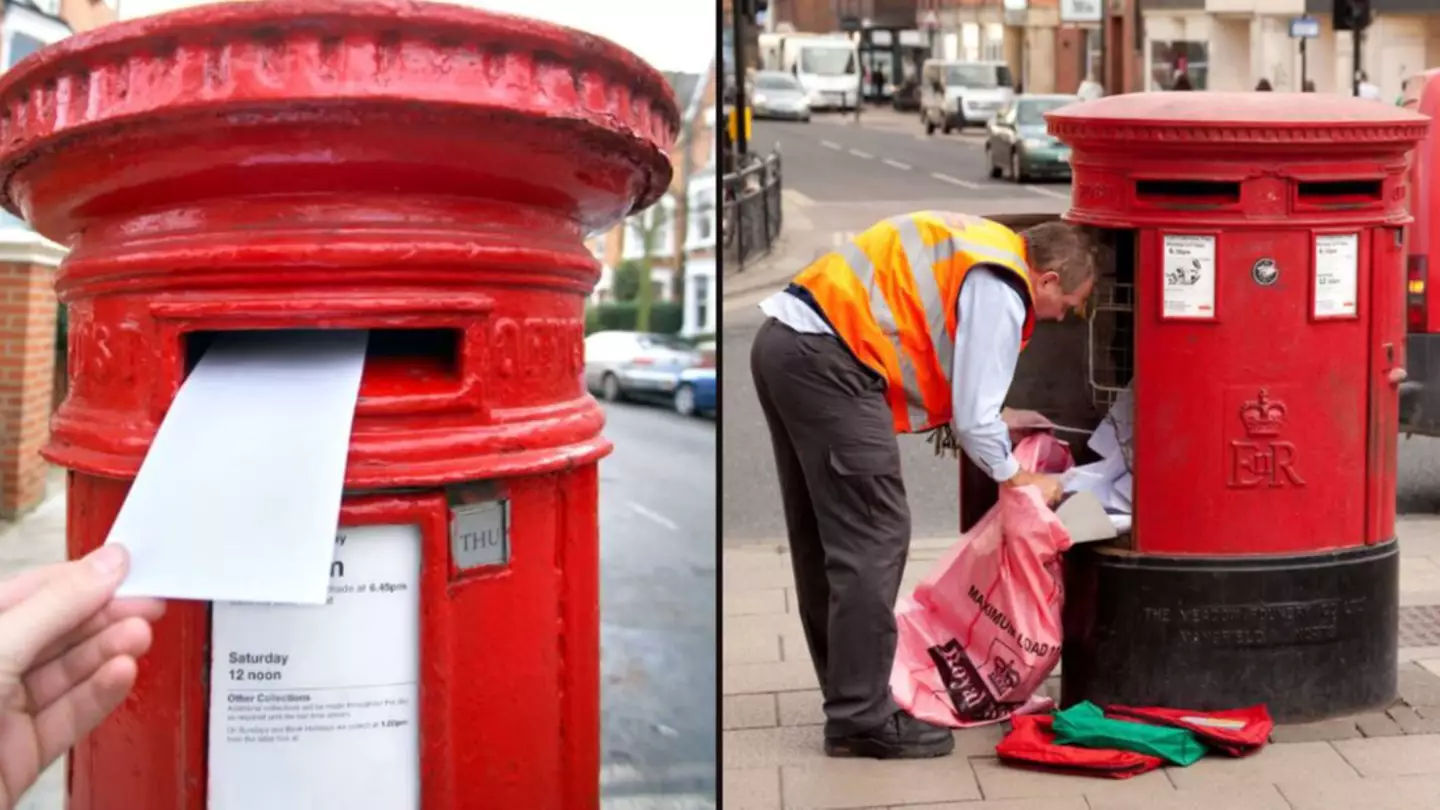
pixel 1257 306
pixel 425 172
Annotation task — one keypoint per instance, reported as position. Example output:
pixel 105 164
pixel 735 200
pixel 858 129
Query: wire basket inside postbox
pixel 1111 349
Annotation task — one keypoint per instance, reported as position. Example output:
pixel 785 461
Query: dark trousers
pixel 845 511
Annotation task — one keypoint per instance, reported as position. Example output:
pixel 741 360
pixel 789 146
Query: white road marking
pixel 1049 192
pixel 796 198
pixel 859 154
pixel 655 516
pixel 830 144
pixel 945 178
pixel 904 167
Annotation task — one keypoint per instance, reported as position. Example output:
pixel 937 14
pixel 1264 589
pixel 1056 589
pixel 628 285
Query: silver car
pixel 635 364
pixel 779 95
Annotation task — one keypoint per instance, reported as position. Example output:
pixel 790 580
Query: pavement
pixel 657 612
pixel 771 717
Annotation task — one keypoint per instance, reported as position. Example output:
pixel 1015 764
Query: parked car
pixel 907 95
pixel 954 95
pixel 695 391
pixel 635 364
pixel 779 95
pixel 1017 144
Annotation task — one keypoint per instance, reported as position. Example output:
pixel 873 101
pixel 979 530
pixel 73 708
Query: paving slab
pixel 1391 793
pixel 1292 761
pixel 748 711
pixel 1001 781
pixel 760 602
pixel 853 783
pixel 1251 797
pixel 756 646
pixel 772 747
pixel 1053 803
pixel 751 788
pixel 785 676
pixel 1393 756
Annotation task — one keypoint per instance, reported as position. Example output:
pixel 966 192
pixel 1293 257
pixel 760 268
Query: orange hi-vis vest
pixel 892 294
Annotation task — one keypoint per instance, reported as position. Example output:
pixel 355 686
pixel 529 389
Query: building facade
pixel 29 372
pixel 1233 44
pixel 681 227
pixel 1227 45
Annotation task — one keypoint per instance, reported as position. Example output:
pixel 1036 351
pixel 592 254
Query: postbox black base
pixel 1310 636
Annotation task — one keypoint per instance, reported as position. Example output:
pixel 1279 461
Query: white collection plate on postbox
pixel 1189 276
pixel 1337 275
pixel 317 706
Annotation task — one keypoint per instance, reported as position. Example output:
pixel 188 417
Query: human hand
pixel 1051 488
pixel 67 659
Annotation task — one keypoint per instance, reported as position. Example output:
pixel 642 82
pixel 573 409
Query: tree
pixel 648 225
pixel 626 284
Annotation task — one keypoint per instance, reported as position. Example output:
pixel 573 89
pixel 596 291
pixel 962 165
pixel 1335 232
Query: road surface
pixel 657 606
pixel 839 179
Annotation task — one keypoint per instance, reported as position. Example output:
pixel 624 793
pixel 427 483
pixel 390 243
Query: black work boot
pixel 899 737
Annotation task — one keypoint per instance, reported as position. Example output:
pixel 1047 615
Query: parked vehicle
pixel 954 95
pixel 695 392
pixel 695 389
pixel 1017 144
pixel 907 95
pixel 827 66
pixel 779 95
pixel 619 365
pixel 1420 393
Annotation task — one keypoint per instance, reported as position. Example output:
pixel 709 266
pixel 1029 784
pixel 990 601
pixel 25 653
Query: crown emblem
pixel 1263 416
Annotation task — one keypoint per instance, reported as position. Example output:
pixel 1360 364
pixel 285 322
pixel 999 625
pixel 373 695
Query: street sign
pixel 1073 11
pixel 1304 28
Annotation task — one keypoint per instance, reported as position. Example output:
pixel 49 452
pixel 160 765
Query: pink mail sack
pixel 982 630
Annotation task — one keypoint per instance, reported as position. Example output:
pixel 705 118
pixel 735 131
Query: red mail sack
pixel 982 631
pixel 1032 742
pixel 1236 732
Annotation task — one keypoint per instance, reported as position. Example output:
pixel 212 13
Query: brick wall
pixel 814 16
pixel 1069 59
pixel 27 367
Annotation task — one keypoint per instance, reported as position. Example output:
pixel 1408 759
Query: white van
pixel 827 67
pixel 955 95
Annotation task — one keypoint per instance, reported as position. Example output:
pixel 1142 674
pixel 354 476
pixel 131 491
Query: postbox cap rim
pixel 1187 120
pixel 1218 109
pixel 146 71
pixel 172 28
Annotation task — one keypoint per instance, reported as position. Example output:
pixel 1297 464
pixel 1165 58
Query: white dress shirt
pixel 989 320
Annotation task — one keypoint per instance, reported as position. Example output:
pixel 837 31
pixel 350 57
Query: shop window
pixel 700 288
pixel 994 50
pixel 970 42
pixel 1092 56
pixel 1169 60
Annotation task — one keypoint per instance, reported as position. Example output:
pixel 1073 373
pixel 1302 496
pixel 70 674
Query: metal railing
pixel 750 220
